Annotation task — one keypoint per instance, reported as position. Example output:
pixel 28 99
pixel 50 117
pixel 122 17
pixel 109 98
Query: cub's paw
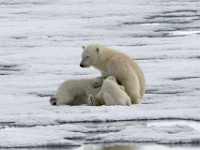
pixel 53 101
pixel 92 101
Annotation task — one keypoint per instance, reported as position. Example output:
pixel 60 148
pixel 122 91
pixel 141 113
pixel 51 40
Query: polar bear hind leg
pixel 64 100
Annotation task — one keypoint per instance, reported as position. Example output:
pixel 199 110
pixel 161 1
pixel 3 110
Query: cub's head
pixel 111 78
pixel 98 82
pixel 90 55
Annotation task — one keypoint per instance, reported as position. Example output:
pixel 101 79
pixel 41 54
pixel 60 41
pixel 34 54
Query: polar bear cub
pixel 76 91
pixel 111 93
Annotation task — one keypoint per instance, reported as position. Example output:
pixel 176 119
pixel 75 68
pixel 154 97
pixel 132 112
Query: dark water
pixel 121 146
pixel 136 147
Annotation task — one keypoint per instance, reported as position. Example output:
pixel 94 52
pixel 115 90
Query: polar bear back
pixel 126 59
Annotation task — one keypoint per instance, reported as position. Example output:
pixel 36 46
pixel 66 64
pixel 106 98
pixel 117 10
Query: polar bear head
pixel 98 81
pixel 90 55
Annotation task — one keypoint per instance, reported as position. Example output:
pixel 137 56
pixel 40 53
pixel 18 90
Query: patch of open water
pixel 135 147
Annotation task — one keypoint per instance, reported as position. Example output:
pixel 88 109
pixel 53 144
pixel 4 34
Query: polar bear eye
pixel 87 57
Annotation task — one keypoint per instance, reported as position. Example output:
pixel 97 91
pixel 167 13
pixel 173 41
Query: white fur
pixel 111 93
pixel 76 91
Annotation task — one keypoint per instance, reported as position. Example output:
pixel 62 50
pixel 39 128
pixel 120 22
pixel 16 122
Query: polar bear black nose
pixel 81 65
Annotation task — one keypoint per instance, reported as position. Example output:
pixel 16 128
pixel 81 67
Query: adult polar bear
pixel 114 63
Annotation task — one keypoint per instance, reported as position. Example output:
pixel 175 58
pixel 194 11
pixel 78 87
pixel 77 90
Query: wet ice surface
pixel 133 147
pixel 40 47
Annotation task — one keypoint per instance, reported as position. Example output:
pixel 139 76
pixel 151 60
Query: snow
pixel 33 137
pixel 163 135
pixel 40 47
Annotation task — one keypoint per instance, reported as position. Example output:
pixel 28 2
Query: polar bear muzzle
pixel 86 62
pixel 82 65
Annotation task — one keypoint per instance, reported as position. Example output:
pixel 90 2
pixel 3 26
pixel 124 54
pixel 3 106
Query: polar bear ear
pixel 83 47
pixel 97 49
